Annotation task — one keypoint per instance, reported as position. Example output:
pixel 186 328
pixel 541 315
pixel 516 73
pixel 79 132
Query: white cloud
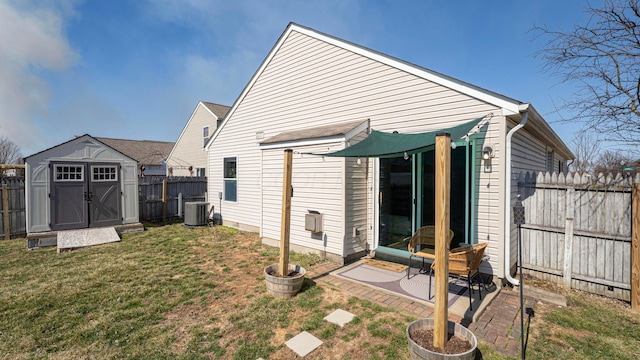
pixel 33 41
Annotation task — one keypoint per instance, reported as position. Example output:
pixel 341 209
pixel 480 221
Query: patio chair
pixel 464 262
pixel 422 244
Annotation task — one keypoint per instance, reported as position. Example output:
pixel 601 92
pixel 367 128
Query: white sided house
pixel 187 157
pixel 316 94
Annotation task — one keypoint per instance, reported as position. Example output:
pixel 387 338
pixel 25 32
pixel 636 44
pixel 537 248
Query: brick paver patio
pixel 498 325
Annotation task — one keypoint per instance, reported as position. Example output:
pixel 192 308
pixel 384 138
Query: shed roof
pixel 319 132
pixel 148 152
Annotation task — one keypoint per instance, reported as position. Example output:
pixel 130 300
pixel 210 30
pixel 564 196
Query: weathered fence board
pixel 12 208
pixel 156 205
pixel 578 230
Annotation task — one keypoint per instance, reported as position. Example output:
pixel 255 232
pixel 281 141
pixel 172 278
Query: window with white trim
pixel 205 134
pixel 104 173
pixel 69 173
pixel 550 161
pixel 230 179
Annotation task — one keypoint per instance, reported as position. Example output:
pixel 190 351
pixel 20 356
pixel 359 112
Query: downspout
pixel 507 199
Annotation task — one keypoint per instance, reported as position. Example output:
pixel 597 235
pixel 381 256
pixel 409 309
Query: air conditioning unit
pixel 195 213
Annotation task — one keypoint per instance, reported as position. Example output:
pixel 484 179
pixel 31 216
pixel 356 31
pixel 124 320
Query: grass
pixel 169 293
pixel 177 293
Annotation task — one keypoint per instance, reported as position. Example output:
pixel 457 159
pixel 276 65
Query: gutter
pixel 524 110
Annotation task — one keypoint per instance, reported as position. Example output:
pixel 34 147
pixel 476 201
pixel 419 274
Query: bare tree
pixel 9 152
pixel 613 161
pixel 585 147
pixel 603 59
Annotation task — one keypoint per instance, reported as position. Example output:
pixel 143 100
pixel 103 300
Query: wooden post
pixel 568 237
pixel 285 225
pixel 164 199
pixel 442 223
pixel 635 249
pixel 5 211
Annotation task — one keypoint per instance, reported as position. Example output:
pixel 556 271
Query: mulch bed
pixel 455 344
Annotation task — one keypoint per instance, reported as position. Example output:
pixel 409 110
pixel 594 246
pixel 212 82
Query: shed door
pixel 105 195
pixel 85 195
pixel 68 198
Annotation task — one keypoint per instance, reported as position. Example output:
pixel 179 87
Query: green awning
pixel 388 145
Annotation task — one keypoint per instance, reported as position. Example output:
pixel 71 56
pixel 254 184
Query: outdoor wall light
pixel 406 156
pixel 487 153
pixel 453 145
pixel 358 161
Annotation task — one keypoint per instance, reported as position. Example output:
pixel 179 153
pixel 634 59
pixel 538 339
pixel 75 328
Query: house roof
pixel 218 110
pixel 509 106
pixel 148 152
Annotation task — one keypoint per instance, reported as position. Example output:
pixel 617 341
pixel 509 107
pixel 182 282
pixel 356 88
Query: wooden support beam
pixel 5 211
pixel 285 224
pixel 442 224
pixel 635 248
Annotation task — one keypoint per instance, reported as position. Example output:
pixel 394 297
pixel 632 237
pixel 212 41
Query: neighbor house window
pixel 205 134
pixel 200 172
pixel 230 179
pixel 550 161
pixel 104 173
pixel 69 173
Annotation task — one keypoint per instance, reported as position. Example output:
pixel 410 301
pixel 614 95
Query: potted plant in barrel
pixel 437 337
pixel 285 279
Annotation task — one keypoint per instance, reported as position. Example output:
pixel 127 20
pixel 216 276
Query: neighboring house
pixel 317 94
pixel 187 158
pixel 150 155
pixel 82 183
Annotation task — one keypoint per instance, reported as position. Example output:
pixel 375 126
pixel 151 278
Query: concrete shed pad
pixel 70 239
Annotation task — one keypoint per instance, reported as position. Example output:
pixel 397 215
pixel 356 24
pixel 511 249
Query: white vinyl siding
pixel 321 191
pixel 188 150
pixel 310 83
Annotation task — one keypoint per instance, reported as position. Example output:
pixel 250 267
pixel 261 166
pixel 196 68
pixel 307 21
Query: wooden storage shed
pixel 82 183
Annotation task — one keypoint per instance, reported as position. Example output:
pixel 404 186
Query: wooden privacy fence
pixel 160 196
pixel 578 232
pixel 12 208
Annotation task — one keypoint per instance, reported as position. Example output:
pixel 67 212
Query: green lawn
pixel 177 293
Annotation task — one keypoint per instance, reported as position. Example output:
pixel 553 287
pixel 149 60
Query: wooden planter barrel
pixel 418 352
pixel 284 286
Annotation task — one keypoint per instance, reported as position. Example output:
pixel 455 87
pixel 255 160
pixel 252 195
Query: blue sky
pixel 136 69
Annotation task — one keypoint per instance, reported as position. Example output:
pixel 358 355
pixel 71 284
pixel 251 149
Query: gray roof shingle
pixel 148 152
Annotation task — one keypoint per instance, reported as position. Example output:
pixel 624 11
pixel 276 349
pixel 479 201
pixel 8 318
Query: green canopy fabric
pixel 388 145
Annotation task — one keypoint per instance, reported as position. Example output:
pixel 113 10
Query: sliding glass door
pixel 406 197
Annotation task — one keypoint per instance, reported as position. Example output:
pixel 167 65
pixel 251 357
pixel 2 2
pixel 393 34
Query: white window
pixel 205 134
pixel 550 161
pixel 200 172
pixel 230 179
pixel 104 173
pixel 69 173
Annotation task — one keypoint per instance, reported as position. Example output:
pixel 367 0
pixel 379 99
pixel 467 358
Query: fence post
pixel 164 199
pixel 635 248
pixel 5 211
pixel 570 210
